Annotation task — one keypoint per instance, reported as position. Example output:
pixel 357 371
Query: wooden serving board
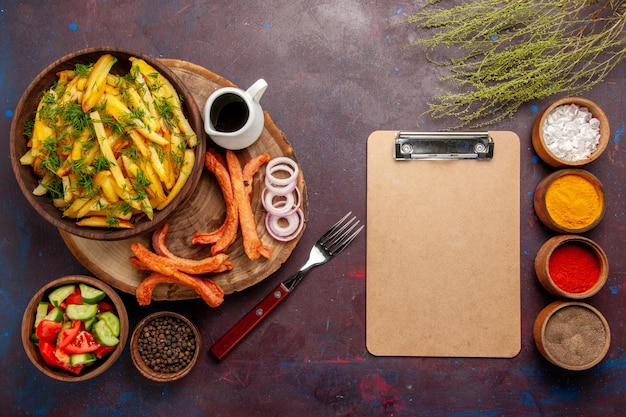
pixel 204 211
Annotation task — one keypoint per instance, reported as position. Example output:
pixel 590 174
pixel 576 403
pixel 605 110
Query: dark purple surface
pixel 336 72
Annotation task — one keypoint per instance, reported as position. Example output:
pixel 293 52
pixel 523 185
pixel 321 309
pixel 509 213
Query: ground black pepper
pixel 575 336
pixel 167 344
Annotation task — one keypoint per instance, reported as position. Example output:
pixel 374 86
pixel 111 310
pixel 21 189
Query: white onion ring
pixel 283 206
pixel 285 234
pixel 280 190
pixel 281 163
pixel 287 207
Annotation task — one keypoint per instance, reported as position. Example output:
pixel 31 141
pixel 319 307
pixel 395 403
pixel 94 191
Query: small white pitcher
pixel 233 118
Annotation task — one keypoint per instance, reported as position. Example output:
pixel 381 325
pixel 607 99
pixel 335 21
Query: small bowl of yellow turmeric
pixel 570 201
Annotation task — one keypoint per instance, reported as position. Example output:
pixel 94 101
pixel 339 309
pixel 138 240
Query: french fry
pixel 92 205
pixel 42 188
pixel 159 167
pixel 146 96
pixel 185 172
pixel 96 82
pixel 41 132
pixel 27 158
pixel 65 76
pixel 102 221
pixel 107 151
pixel 146 208
pixel 79 144
pixel 70 92
pixel 155 187
pixel 72 210
pixel 67 189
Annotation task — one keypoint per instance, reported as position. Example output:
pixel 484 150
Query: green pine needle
pixel 504 53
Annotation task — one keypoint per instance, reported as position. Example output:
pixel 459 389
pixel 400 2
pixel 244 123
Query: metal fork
pixel 331 244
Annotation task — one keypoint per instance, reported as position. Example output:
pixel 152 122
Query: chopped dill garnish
pixel 101 163
pixel 141 181
pixel 132 153
pixel 28 128
pixel 74 115
pixel 55 188
pixel 49 98
pixel 83 70
pixel 165 109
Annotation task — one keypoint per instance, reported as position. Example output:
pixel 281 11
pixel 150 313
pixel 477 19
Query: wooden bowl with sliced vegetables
pixel 74 328
pixel 107 143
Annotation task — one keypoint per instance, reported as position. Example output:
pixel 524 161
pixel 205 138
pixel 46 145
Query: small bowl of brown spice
pixel 572 334
pixel 165 346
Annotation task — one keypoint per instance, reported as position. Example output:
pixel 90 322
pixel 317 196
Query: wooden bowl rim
pixel 162 376
pixel 544 185
pixel 547 156
pixel 542 321
pixel 543 259
pixel 29 318
pixel 190 108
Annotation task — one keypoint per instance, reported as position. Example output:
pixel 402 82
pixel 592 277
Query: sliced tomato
pixel 48 330
pixel 68 334
pixel 47 353
pixel 63 359
pixel 82 343
pixel 55 358
pixel 104 306
pixel 75 297
pixel 102 351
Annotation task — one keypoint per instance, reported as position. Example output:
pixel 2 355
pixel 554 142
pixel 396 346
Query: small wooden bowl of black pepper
pixel 572 334
pixel 165 346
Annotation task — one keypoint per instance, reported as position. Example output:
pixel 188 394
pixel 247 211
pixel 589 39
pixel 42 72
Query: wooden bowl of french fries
pixel 106 143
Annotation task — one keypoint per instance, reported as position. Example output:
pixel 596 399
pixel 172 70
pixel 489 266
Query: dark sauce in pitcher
pixel 229 113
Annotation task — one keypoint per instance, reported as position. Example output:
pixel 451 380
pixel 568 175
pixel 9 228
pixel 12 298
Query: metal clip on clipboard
pixel 443 145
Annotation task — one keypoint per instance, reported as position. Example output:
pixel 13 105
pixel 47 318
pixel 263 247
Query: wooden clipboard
pixel 443 252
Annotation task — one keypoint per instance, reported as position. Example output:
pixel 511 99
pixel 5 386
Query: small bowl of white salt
pixel 571 132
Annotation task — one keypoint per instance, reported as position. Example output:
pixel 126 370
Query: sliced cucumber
pixel 82 358
pixel 90 295
pixel 112 321
pixel 81 311
pixel 56 314
pixel 104 335
pixel 89 323
pixel 42 311
pixel 59 295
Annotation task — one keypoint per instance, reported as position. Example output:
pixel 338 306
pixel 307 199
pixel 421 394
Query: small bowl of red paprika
pixel 571 266
pixel 74 328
